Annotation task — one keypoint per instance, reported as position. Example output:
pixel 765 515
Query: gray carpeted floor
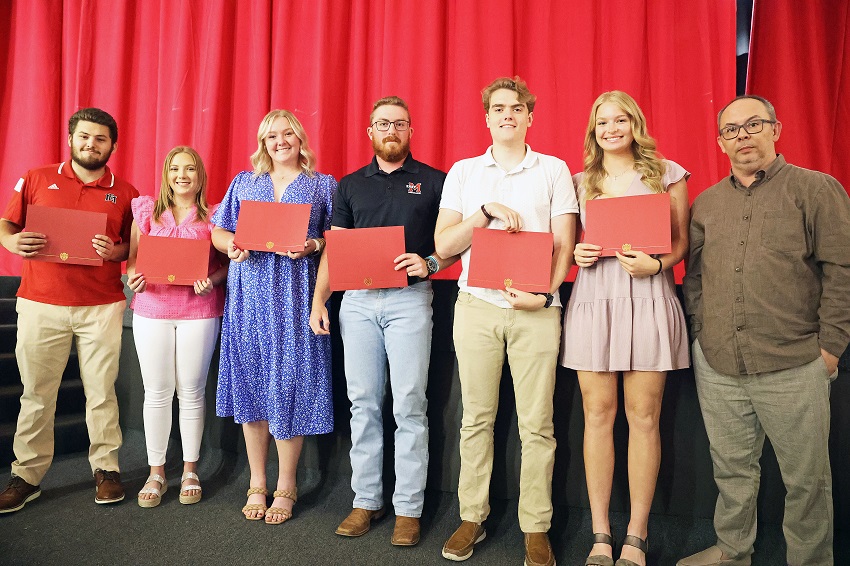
pixel 64 526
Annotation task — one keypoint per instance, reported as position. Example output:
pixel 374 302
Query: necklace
pixel 285 176
pixel 623 172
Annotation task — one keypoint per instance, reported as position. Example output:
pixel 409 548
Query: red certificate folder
pixel 362 258
pixel 172 261
pixel 521 260
pixel 69 233
pixel 622 224
pixel 272 226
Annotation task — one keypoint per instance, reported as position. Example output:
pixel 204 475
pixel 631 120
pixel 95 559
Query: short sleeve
pixel 16 209
pixel 343 216
pixel 452 189
pixel 142 208
pixel 563 192
pixel 228 210
pixel 674 173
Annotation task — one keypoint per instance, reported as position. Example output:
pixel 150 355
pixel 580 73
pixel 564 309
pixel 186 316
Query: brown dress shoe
pixel 17 494
pixel 358 522
pixel 538 551
pixel 406 531
pixel 109 488
pixel 460 545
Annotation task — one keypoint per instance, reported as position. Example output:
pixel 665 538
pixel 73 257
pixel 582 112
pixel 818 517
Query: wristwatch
pixel 549 298
pixel 433 265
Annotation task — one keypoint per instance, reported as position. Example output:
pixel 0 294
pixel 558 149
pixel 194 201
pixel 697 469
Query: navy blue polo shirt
pixel 409 197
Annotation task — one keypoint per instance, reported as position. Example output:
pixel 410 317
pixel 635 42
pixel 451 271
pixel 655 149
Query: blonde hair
pixel 261 160
pixel 165 200
pixel 648 162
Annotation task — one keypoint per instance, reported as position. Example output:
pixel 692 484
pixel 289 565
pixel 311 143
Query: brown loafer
pixel 713 556
pixel 460 545
pixel 17 494
pixel 406 531
pixel 358 522
pixel 109 488
pixel 538 551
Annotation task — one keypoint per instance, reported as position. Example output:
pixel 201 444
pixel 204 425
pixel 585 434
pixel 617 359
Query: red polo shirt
pixel 64 284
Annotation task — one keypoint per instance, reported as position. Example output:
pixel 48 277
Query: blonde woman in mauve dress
pixel 623 318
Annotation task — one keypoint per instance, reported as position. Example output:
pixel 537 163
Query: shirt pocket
pixel 783 232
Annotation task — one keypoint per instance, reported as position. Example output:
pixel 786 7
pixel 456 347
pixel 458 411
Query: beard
pixel 92 162
pixel 391 155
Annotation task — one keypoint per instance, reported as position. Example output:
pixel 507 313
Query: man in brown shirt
pixel 768 294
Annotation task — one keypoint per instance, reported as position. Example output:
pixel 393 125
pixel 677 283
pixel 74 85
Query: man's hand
pixel 522 301
pixel 103 245
pixel 236 254
pixel 509 216
pixel 831 362
pixel 136 282
pixel 415 265
pixel 638 264
pixel 25 244
pixel 319 320
pixel 203 286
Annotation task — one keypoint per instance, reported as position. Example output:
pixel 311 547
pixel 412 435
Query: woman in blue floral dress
pixel 274 373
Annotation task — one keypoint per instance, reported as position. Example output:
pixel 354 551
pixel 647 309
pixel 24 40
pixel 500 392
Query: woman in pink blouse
pixel 175 327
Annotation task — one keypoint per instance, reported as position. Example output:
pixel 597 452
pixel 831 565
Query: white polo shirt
pixel 539 189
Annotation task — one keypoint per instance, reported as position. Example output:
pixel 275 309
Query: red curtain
pixel 204 72
pixel 800 61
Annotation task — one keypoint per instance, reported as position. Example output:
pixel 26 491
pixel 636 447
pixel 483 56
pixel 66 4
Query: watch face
pixel 432 264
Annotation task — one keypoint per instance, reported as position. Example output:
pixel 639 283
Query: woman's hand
pixel 638 264
pixel 136 282
pixel 203 286
pixel 236 254
pixel 586 255
pixel 309 247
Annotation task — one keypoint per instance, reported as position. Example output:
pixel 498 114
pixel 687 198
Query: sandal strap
pixel 636 542
pixel 293 494
pixel 603 538
pixel 157 478
pixel 190 487
pixel 153 490
pixel 189 476
pixel 279 511
pixel 254 507
pixel 260 490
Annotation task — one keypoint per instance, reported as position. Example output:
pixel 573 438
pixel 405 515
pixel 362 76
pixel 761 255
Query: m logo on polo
pixel 111 198
pixel 414 189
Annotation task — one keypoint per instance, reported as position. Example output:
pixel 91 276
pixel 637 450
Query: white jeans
pixel 174 354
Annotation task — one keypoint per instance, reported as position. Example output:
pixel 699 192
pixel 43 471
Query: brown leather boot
pixel 358 522
pixel 406 531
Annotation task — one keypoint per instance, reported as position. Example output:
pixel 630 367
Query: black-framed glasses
pixel 731 131
pixel 384 125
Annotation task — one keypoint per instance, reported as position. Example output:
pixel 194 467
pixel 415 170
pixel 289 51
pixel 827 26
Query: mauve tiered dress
pixel 616 323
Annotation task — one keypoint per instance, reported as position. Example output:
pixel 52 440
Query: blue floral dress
pixel 272 366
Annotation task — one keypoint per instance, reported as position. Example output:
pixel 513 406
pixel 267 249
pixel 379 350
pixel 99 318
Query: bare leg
pixel 153 484
pixel 643 391
pixel 288 453
pixel 599 399
pixel 257 438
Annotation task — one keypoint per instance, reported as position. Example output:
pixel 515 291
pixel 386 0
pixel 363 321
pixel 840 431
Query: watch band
pixel 432 264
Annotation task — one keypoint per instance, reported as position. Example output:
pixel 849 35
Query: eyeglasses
pixel 384 125
pixel 731 131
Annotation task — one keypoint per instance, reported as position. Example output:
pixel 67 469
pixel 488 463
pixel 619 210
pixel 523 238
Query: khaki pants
pixel 791 407
pixel 44 343
pixel 483 333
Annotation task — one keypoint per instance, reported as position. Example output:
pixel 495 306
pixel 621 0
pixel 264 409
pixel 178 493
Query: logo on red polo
pixel 414 189
pixel 112 198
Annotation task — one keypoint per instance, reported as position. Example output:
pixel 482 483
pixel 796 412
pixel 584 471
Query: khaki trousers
pixel 483 333
pixel 44 344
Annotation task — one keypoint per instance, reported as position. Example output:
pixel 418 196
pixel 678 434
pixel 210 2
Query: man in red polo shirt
pixel 58 302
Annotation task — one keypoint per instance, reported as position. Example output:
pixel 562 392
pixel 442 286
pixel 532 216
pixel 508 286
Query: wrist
pixel 432 265
pixel 487 215
pixel 660 266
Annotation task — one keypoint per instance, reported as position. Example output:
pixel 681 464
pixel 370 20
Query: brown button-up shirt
pixel 768 278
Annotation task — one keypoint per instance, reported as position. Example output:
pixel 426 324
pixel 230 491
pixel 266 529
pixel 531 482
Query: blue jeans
pixel 380 326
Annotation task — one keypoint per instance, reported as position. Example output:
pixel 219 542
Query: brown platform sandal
pixel 601 559
pixel 261 507
pixel 636 542
pixel 287 514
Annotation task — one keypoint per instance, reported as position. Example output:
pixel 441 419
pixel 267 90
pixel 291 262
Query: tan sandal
pixel 255 506
pixel 286 513
pixel 153 501
pixel 185 498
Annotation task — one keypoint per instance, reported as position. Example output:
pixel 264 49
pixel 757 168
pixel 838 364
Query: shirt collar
pixel 762 175
pixel 106 181
pixel 529 160
pixel 410 165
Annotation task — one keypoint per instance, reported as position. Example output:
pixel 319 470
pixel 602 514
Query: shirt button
pixel 739 328
pixel 737 269
pixel 739 299
pixel 741 243
pixel 746 217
